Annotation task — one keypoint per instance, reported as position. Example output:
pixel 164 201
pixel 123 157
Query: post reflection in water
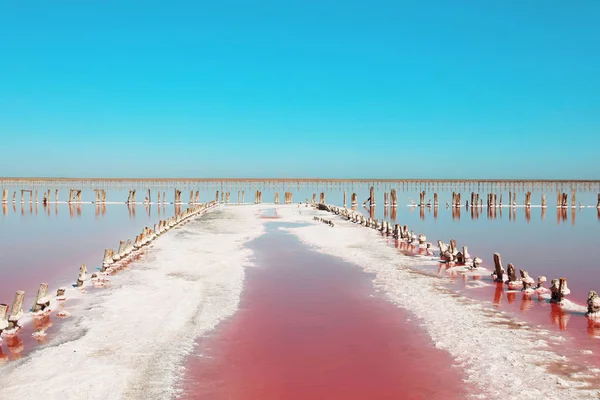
pixel 15 346
pixel 498 294
pixel 527 214
pixel 435 212
pixel 385 212
pixel 394 213
pixel 543 213
pixel 511 296
pixel 4 209
pixel 593 327
pixel 526 302
pixel 573 213
pixel 372 212
pixel 559 316
pixel 422 213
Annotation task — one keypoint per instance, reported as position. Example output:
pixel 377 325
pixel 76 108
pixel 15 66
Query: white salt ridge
pixel 129 340
pixel 503 362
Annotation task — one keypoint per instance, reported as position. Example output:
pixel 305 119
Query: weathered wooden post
pixel 498 270
pixel 344 199
pixel 56 195
pixel 394 198
pixel 42 300
pixel 276 199
pixel 14 198
pixel 4 196
pixel 511 272
pixel 372 197
pixel 354 200
pixel 81 277
pixel 573 199
pixel 217 197
pixel 103 196
pixel 197 198
pixel 527 280
pixel 558 199
pixel 243 195
pixel 16 312
pixel 3 317
pixel 598 204
pixel 593 303
pixel 322 198
pixel 422 199
pixel 385 199
pixel 544 201
pixel 559 290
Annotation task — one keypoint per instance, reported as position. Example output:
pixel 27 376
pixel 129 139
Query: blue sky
pixel 388 89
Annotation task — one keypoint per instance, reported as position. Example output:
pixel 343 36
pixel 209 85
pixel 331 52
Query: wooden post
pixel 498 270
pixel 573 199
pixel 243 195
pixel 527 280
pixel 81 277
pixel 543 201
pixel 3 317
pixel 5 196
pixel 42 300
pixel 511 272
pixel 372 197
pixel 593 303
pixel 276 200
pixel 344 199
pixel 354 200
pixel 16 312
pixel 559 290
pixel 385 199
pixel 422 199
pixel 394 198
pixel 598 204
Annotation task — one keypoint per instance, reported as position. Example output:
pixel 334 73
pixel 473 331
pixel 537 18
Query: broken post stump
pixel 498 270
pixel 42 300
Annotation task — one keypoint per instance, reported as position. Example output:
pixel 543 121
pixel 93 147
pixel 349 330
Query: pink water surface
pixel 311 327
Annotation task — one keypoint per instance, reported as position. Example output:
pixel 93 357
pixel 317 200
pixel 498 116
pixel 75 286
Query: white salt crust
pixel 504 363
pixel 128 340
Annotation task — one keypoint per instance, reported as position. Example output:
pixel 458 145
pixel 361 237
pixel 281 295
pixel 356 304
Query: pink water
pixel 311 327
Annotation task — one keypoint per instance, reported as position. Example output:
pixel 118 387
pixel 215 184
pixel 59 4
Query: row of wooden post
pixel 9 321
pixel 450 253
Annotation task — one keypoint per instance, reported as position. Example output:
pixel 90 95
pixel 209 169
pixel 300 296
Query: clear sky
pixel 387 89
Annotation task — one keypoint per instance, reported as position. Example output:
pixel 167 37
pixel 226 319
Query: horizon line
pixel 309 179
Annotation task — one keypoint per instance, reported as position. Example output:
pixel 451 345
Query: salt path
pixel 130 340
